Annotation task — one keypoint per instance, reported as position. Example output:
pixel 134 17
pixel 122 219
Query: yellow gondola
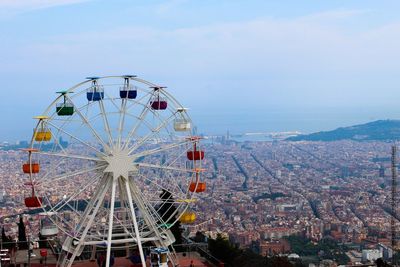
pixel 188 217
pixel 42 133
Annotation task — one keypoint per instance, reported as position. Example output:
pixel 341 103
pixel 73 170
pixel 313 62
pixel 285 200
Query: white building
pixel 370 255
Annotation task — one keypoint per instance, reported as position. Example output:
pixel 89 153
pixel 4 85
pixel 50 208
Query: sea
pixel 255 122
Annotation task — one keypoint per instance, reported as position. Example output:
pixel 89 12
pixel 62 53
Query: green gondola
pixel 64 108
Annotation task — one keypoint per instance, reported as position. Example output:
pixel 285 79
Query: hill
pixel 376 130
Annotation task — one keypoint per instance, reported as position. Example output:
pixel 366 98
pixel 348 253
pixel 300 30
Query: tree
pixel 381 263
pixel 200 237
pixel 22 241
pixel 248 258
pixel 278 261
pixel 232 256
pixel 6 241
pixel 223 250
pixel 166 212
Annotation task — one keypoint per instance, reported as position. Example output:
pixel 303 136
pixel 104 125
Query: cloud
pixel 167 7
pixel 297 59
pixel 254 47
pixel 9 8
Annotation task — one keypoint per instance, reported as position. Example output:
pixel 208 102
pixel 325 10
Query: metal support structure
pixel 132 209
pixel 111 221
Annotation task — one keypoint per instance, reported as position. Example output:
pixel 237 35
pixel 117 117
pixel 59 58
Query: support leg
pixel 139 243
pixel 111 221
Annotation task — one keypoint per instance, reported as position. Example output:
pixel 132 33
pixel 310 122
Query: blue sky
pixel 297 59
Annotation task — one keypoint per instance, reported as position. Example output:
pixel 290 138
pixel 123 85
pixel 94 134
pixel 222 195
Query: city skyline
pixel 301 66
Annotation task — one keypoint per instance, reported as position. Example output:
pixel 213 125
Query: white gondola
pixel 181 125
pixel 47 224
pixel 159 257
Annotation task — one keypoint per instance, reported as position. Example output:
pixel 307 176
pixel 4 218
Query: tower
pixel 393 199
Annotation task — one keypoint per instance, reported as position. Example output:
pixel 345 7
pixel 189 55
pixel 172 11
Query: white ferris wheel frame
pixel 114 155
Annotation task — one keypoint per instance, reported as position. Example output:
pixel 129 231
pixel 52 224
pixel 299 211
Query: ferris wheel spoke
pixel 79 172
pixel 88 222
pixel 169 168
pixel 174 187
pixel 123 112
pixel 150 216
pixel 134 129
pixel 125 204
pixel 176 158
pixel 151 134
pixel 141 118
pixel 86 122
pixel 106 123
pixel 68 156
pixel 76 138
pixel 121 122
pixel 51 170
pixel 66 202
pixel 161 149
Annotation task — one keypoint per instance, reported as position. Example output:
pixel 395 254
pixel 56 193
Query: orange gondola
pixel 30 166
pixel 33 167
pixel 197 186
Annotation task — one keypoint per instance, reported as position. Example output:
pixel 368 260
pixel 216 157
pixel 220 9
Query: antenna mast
pixel 393 202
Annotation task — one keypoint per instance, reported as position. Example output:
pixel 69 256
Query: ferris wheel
pixel 114 162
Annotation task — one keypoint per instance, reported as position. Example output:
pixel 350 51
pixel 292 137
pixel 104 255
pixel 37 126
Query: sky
pixel 246 66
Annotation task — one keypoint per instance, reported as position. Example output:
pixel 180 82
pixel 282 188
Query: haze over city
pixel 207 133
pixel 276 65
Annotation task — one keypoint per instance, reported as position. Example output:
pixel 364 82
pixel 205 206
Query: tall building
pixel 382 171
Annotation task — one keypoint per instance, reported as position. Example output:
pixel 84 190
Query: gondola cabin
pixel 128 92
pixel 181 125
pixel 188 217
pixel 158 103
pixel 95 93
pixel 47 224
pixel 42 135
pixel 159 257
pixel 33 202
pixel 197 187
pixel 64 109
pixel 195 155
pixel 32 167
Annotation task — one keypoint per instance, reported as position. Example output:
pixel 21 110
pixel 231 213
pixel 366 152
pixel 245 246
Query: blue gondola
pixel 129 93
pixel 94 95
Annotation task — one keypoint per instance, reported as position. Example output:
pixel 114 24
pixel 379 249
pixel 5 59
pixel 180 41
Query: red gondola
pixel 33 202
pixel 195 154
pixel 157 102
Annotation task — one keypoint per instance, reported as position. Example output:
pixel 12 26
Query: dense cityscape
pixel 260 195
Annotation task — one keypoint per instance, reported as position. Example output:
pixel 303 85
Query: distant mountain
pixel 376 130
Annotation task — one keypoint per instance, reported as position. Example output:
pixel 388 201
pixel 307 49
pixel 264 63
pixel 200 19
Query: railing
pixel 201 249
pixel 8 249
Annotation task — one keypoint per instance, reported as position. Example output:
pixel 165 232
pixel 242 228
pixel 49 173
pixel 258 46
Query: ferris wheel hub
pixel 120 163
